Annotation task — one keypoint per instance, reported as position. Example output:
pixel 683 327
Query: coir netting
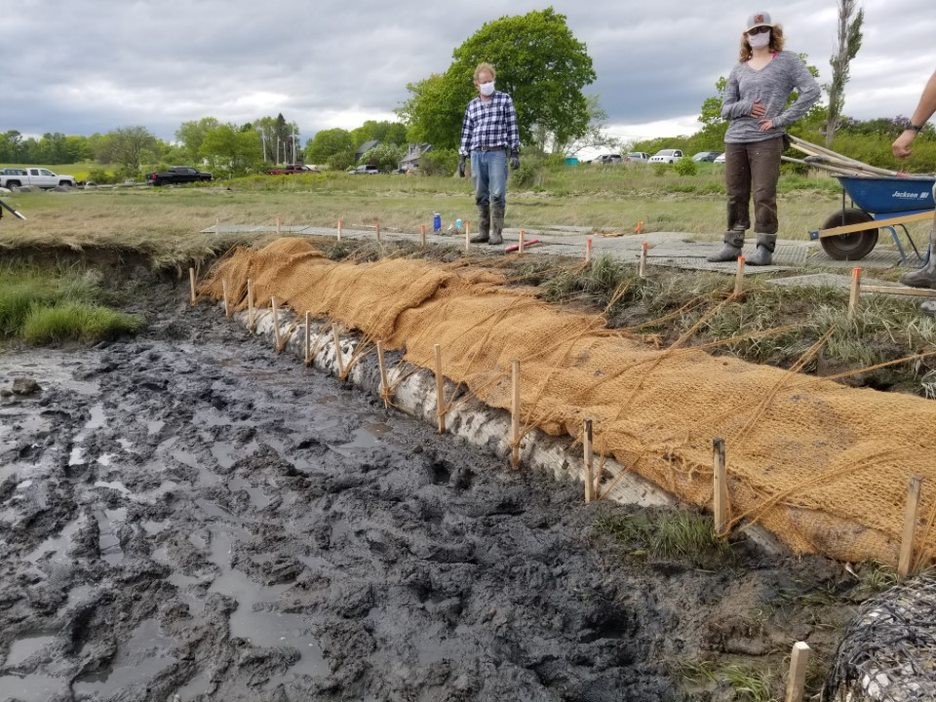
pixel 823 466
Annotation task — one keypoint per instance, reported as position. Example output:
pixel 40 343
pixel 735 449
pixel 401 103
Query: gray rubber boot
pixel 484 226
pixel 734 240
pixel 925 277
pixel 497 225
pixel 763 256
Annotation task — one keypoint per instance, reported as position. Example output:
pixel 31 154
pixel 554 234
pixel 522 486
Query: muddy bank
pixel 187 516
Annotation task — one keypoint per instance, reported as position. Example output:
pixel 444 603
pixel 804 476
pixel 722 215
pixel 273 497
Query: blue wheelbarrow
pixel 888 202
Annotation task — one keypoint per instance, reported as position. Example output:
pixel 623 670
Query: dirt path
pixel 186 516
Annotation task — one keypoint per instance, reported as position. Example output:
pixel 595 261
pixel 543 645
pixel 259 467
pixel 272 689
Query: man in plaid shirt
pixel 489 133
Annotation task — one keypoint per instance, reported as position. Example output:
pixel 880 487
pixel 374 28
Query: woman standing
pixel 755 106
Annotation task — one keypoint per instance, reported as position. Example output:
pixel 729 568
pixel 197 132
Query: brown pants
pixel 754 166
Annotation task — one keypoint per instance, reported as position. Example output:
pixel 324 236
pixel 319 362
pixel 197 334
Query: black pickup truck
pixel 177 174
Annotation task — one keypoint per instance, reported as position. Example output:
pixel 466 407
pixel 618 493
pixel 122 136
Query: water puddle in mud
pixel 362 438
pixel 32 688
pixel 257 497
pixel 227 454
pixel 108 543
pixel 256 618
pixel 24 648
pixel 58 544
pixel 146 653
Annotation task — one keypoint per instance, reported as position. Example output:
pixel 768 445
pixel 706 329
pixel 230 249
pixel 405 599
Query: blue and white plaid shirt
pixel 490 124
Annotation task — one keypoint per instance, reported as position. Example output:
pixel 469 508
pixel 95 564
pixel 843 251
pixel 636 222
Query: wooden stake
pixel 440 388
pixel 191 275
pixel 739 278
pixel 339 358
pixel 276 328
pixel 467 239
pixel 642 267
pixel 378 232
pixel 515 408
pixel 251 317
pixel 384 383
pixel 905 564
pixel 796 682
pixel 855 292
pixel 224 294
pixel 588 250
pixel 340 223
pixel 422 234
pixel 307 355
pixel 589 462
pixel 520 246
pixel 720 485
pixel 278 223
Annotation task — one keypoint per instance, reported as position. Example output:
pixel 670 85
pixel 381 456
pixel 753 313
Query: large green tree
pixel 129 147
pixel 327 143
pixel 384 132
pixel 538 61
pixel 192 136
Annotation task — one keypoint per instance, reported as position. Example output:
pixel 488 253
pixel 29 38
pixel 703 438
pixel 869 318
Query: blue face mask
pixel 486 89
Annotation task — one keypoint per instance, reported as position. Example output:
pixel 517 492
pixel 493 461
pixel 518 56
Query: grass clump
pixel 76 321
pixel 747 682
pixel 681 536
pixel 42 307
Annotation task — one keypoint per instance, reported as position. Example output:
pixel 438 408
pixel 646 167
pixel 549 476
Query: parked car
pixel 666 156
pixel 37 177
pixel 636 157
pixel 609 158
pixel 719 159
pixel 177 174
pixel 365 170
pixel 707 156
pixel 291 168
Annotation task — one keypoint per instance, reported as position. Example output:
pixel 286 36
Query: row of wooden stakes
pixel 801 652
pixel 592 478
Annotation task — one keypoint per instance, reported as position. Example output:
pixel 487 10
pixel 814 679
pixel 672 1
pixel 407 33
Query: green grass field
pixel 165 222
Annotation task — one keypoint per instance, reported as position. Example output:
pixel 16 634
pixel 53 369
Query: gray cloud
pixel 86 68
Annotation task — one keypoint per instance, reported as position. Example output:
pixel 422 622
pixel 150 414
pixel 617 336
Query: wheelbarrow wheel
pixel 849 247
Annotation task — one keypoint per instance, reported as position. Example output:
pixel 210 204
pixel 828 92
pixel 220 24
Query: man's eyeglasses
pixel 758 30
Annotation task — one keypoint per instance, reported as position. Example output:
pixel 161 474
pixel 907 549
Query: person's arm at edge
pixel 513 130
pixel 924 110
pixel 808 90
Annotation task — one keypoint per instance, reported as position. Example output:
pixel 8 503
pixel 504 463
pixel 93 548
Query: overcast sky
pixel 84 67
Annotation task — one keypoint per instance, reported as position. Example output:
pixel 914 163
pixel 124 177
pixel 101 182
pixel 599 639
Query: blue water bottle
pixel 436 222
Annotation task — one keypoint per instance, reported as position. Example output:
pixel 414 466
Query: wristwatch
pixel 915 127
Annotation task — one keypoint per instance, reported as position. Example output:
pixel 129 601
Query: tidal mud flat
pixel 187 516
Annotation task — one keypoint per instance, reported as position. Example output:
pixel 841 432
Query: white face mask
pixel 487 89
pixel 759 41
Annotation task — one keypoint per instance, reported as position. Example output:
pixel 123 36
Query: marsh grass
pixel 679 535
pixel 76 321
pixel 167 224
pixel 43 306
pixel 749 684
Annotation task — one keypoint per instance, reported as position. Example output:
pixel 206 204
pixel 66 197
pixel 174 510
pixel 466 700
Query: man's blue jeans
pixel 489 173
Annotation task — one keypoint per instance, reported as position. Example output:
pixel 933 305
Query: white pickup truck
pixel 37 177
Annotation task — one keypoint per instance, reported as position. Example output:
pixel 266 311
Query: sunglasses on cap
pixel 758 30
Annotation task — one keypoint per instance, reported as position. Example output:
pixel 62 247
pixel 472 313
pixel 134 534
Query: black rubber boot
pixel 734 240
pixel 484 226
pixel 763 256
pixel 497 225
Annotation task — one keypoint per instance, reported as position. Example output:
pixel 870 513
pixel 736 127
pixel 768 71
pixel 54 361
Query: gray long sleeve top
pixel 772 85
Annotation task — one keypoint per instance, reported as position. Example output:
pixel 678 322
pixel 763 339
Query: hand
pixel 765 125
pixel 758 109
pixel 901 146
pixel 461 166
pixel 514 161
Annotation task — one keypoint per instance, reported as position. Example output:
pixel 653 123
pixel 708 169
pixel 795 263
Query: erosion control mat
pixel 823 466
